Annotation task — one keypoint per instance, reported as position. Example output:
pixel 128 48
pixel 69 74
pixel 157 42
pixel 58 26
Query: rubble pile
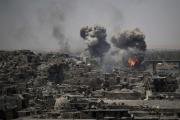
pixel 18 65
pixel 25 77
pixel 164 84
pixel 61 86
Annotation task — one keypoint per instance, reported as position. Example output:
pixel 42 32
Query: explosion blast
pixel 95 37
pixel 133 42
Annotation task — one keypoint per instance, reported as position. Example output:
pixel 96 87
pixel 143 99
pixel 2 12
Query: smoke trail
pixel 63 41
pixel 30 24
pixel 95 37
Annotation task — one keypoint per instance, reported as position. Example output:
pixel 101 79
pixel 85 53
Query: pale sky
pixel 28 24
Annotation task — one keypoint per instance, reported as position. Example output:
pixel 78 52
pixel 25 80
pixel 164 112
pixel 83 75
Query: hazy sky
pixel 29 24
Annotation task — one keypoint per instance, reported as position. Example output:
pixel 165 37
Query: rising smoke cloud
pixel 34 24
pixel 95 37
pixel 127 39
pixel 125 44
pixel 28 24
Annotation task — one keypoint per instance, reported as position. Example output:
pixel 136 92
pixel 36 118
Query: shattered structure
pixel 61 86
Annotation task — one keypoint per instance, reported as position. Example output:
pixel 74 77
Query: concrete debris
pixel 63 86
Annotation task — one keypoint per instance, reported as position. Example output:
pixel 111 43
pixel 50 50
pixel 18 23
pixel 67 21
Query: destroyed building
pixel 60 86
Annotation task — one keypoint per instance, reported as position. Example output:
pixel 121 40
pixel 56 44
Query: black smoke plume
pixel 95 37
pixel 129 44
pixel 130 39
